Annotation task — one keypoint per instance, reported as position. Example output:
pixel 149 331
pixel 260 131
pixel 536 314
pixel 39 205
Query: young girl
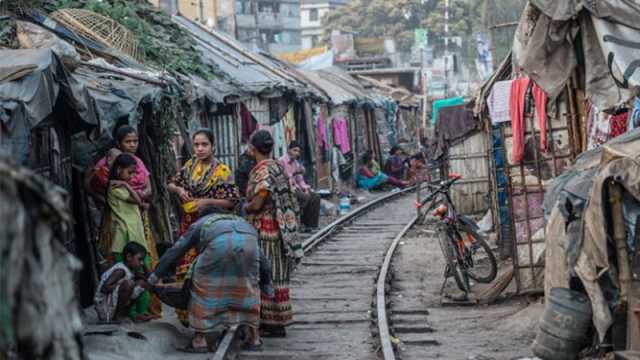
pixel 125 203
pixel 126 141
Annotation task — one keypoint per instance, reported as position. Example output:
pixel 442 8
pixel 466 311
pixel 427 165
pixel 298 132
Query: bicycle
pixel 466 252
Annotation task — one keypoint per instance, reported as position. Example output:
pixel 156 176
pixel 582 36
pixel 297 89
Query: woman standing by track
pixel 272 209
pixel 202 182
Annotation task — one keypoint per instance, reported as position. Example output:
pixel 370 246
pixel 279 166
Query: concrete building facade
pixel 277 22
pixel 311 14
pixel 272 24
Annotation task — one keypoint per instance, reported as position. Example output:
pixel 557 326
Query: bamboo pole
pixel 619 238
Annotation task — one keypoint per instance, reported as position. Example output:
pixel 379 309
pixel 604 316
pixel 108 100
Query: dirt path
pixel 502 331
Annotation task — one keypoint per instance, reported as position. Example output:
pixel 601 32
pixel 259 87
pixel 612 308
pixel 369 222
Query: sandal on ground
pixel 273 333
pixel 247 346
pixel 190 349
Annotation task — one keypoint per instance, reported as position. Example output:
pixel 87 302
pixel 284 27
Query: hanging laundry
pixel 341 134
pixel 248 123
pixel 618 124
pixel 598 127
pixel 634 120
pixel 518 93
pixel 280 142
pixel 290 125
pixel 540 101
pixel 321 131
pixel 439 104
pixel 498 102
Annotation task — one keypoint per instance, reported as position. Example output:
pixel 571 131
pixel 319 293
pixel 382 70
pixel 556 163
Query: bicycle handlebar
pixel 444 185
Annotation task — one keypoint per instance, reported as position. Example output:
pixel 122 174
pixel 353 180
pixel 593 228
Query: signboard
pixel 421 38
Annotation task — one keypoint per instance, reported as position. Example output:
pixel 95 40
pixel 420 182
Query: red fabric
pixel 618 124
pixel 540 101
pixel 249 123
pixel 517 99
pixel 516 111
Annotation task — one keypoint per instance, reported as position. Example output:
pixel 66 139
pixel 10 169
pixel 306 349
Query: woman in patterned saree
pixel 272 209
pixel 202 182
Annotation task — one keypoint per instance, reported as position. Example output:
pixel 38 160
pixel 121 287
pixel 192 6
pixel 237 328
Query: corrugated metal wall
pixel 226 131
pixel 260 110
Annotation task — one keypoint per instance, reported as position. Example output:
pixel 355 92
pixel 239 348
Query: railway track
pixel 339 289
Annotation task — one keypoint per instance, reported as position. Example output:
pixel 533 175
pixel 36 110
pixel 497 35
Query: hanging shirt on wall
pixel 618 124
pixel 518 97
pixel 603 127
pixel 341 134
pixel 498 102
pixel 321 128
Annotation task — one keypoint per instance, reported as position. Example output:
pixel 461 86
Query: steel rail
pixel 225 346
pixel 381 301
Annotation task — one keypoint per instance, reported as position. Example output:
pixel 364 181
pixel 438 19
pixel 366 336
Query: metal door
pixel 526 188
pixel 469 158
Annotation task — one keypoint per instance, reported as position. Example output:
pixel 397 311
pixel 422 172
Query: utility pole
pixel 487 21
pixel 446 48
pixel 201 12
pixel 256 18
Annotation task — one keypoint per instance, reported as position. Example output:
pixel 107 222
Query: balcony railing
pixel 268 21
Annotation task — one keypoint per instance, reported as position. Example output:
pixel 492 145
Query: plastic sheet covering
pixel 577 227
pixel 27 96
pixel 544 46
pixel 113 96
pixel 99 98
pixel 36 269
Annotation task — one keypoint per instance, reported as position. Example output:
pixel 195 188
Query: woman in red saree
pixel 272 209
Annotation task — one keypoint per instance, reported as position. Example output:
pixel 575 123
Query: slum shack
pixel 561 113
pixel 63 94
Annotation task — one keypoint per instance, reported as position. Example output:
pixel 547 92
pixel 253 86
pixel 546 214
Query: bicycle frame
pixel 452 220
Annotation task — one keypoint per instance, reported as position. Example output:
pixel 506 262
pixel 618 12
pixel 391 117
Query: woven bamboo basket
pixel 100 29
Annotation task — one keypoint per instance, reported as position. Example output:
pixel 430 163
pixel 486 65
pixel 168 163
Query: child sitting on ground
pixel 118 288
pixel 127 226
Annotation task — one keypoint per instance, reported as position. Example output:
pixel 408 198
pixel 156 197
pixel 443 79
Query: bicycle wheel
pixel 450 256
pixel 480 261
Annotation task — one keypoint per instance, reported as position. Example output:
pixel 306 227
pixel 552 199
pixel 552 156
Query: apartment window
pixel 270 8
pixel 244 7
pixel 268 37
pixel 315 40
pixel 290 10
pixel 313 15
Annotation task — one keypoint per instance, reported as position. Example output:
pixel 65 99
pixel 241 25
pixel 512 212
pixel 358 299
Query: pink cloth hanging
pixel 341 134
pixel 322 134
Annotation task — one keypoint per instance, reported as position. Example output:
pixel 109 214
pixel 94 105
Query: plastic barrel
pixel 565 325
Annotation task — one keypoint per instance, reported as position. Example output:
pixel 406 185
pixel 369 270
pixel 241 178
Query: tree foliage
pixel 165 44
